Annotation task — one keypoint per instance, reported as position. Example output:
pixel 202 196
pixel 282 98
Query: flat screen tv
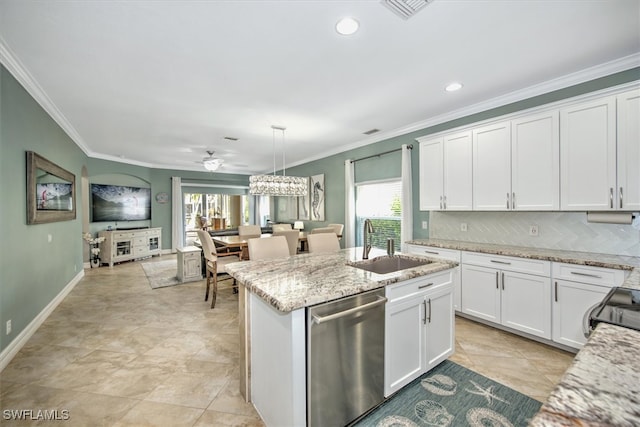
pixel 120 203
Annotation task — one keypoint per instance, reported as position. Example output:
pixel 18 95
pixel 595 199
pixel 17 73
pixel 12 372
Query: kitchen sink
pixel 388 264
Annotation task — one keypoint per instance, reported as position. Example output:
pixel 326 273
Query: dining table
pixel 236 242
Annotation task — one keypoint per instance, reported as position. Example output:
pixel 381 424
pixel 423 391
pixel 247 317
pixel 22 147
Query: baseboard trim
pixel 19 341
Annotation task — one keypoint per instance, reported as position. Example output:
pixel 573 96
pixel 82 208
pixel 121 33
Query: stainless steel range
pixel 620 307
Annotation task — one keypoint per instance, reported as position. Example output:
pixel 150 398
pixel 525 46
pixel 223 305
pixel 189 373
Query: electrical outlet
pixel 8 326
pixel 49 238
pixel 533 230
pixel 463 226
pixel 425 225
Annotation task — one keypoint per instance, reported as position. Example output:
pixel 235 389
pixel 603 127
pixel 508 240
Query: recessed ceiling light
pixel 452 87
pixel 347 26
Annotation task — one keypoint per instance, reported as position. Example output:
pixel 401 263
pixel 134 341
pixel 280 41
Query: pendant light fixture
pixel 278 185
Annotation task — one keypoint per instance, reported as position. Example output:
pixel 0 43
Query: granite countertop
pixel 307 279
pixel 618 262
pixel 602 386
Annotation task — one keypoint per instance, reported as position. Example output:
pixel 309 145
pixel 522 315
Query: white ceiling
pixel 158 83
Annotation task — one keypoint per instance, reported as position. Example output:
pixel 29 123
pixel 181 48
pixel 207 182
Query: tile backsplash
pixel 556 230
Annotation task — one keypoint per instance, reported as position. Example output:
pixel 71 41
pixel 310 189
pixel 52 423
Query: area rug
pixel 451 395
pixel 161 273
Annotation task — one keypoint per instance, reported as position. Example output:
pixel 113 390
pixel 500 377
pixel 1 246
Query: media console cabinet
pixel 126 245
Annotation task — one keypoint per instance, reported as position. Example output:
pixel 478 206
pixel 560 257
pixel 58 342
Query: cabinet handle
pixel 611 197
pixel 497 280
pixel 424 319
pixel 503 280
pixel 445 202
pixel 556 291
pixel 431 252
pixel 513 200
pixel 507 201
pixel 429 310
pixel 500 262
pixel 440 202
pixel 425 286
pixel 586 274
pixel 620 197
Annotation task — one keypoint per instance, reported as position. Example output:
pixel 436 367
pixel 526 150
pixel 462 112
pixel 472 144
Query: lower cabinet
pixel 521 301
pixel 419 328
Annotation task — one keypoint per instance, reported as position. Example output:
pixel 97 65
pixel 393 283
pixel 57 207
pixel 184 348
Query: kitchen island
pixel 273 297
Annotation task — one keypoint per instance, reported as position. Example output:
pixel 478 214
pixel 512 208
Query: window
pixel 215 211
pixel 380 202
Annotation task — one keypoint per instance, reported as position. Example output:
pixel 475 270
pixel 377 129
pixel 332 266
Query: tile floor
pixel 117 353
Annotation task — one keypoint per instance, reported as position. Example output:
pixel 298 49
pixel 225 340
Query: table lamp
pixel 298 225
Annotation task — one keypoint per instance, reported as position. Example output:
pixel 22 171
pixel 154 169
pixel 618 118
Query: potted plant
pixel 94 260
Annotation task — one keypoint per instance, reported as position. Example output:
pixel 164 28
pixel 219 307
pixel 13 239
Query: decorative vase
pixel 95 262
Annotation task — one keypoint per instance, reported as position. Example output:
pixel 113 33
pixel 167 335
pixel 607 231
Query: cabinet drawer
pixel 140 241
pixel 587 274
pixel 191 255
pixel 522 265
pixel 434 252
pixel 140 250
pixel 122 235
pixel 411 287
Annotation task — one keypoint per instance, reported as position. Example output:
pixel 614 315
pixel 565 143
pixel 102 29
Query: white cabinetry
pixel 513 292
pixel 628 112
pixel 445 172
pixel 419 328
pixel 535 162
pixel 189 264
pixel 588 155
pixel 576 289
pixel 125 245
pixel 492 167
pixel 447 255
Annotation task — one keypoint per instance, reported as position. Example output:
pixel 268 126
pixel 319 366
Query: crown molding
pixel 582 76
pixel 29 83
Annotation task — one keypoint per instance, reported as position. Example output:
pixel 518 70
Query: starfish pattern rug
pixel 451 395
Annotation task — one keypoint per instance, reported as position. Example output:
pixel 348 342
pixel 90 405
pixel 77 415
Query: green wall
pixel 33 271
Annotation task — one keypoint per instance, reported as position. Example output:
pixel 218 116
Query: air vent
pixel 371 131
pixel 230 138
pixel 405 8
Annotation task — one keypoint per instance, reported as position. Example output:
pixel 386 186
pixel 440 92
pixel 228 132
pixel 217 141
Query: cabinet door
pixel 628 191
pixel 492 167
pixel 526 303
pixel 440 326
pixel 431 174
pixel 570 303
pixel 458 177
pixel 535 162
pixel 404 343
pixel 480 292
pixel 588 156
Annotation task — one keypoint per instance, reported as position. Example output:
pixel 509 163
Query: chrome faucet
pixel 368 229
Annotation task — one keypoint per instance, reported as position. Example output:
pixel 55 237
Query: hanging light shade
pixel 278 185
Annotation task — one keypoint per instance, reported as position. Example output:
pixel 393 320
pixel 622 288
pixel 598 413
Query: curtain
pixel 177 218
pixel 406 231
pixel 349 205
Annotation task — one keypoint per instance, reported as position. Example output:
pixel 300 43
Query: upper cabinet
pixel 535 162
pixel 588 155
pixel 581 157
pixel 492 167
pixel 445 172
pixel 628 112
pixel 600 143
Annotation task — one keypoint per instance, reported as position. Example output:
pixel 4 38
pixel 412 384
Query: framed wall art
pixel 317 197
pixel 51 191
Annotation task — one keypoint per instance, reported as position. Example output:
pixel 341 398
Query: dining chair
pixel 323 243
pixel 268 248
pixel 249 230
pixel 292 237
pixel 215 263
pixel 280 227
pixel 338 228
pixel 323 230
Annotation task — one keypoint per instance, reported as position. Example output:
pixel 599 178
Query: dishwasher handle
pixel 321 319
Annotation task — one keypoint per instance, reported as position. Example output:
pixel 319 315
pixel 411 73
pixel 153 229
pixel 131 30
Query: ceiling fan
pixel 212 163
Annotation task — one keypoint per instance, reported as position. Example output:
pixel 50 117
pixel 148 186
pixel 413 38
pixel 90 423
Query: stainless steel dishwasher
pixel 345 358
